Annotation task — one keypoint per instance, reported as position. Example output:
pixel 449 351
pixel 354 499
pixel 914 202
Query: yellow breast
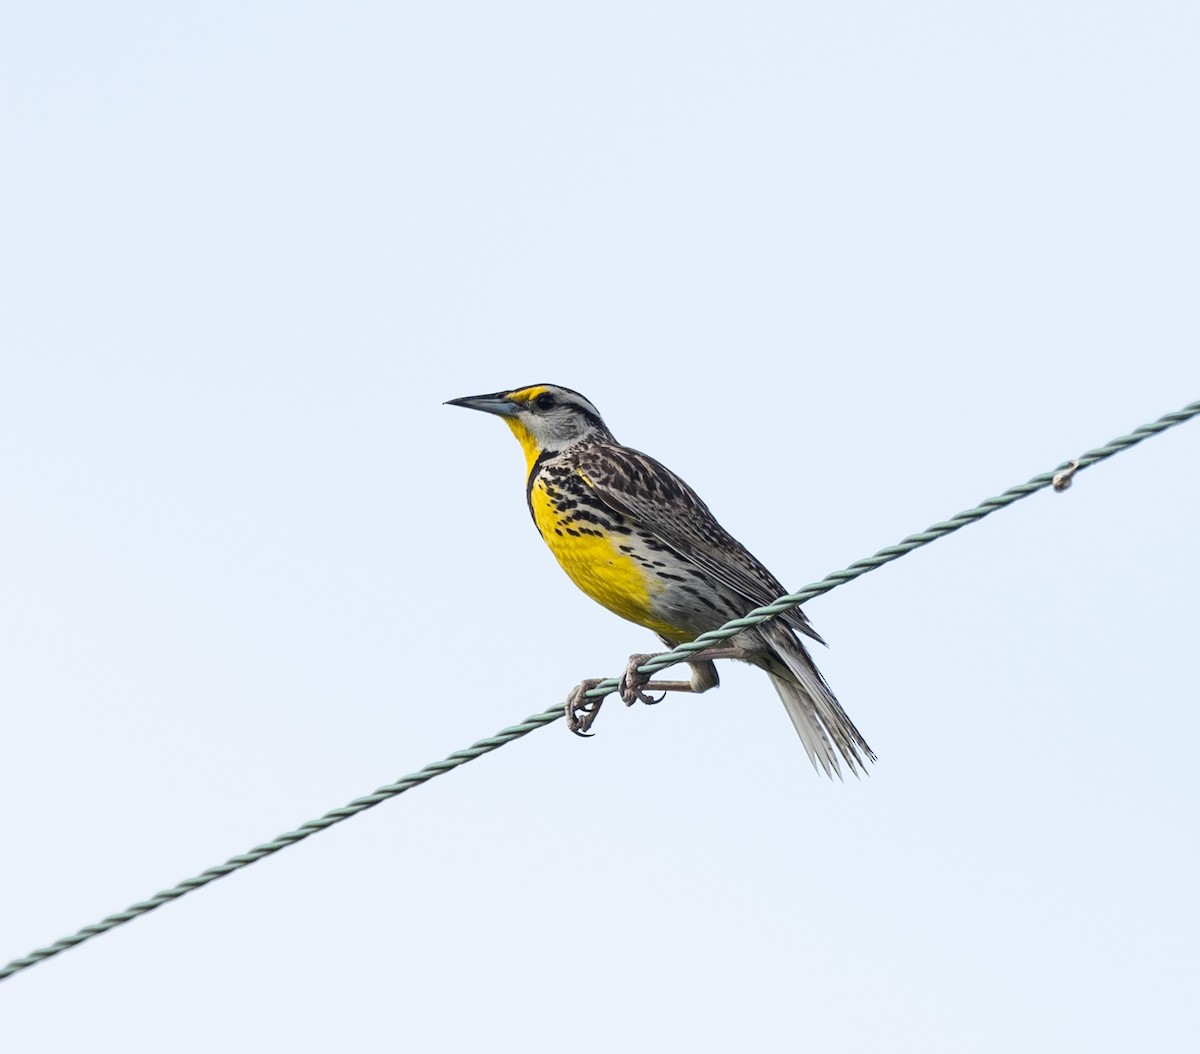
pixel 597 565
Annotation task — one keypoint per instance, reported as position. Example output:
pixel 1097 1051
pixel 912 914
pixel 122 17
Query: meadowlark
pixel 637 539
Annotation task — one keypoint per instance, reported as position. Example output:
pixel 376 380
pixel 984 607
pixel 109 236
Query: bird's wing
pixel 649 493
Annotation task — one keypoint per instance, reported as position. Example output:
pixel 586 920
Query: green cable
pixel 1060 478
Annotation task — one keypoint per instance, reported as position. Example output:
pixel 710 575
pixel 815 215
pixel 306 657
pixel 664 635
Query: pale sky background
pixel 848 268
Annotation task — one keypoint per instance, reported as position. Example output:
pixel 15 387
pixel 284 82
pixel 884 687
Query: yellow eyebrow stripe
pixel 527 395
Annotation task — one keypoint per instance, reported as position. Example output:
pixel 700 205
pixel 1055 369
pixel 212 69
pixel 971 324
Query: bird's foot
pixel 581 711
pixel 633 681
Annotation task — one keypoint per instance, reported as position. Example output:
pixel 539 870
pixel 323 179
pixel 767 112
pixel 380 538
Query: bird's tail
pixel 825 729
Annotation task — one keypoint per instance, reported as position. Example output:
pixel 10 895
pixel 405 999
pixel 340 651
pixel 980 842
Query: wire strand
pixel 659 662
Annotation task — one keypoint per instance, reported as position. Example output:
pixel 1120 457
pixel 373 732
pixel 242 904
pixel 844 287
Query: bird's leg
pixel 582 711
pixel 634 684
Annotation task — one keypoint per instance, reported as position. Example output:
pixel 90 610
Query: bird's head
pixel 542 417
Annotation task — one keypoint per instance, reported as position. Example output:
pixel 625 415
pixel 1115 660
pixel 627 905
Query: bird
pixel 636 538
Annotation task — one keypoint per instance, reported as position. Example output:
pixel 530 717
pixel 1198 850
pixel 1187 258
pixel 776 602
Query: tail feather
pixel 824 727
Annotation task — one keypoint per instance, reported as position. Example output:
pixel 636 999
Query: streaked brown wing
pixel 637 486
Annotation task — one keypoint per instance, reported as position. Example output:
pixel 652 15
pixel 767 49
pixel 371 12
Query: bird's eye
pixel 545 401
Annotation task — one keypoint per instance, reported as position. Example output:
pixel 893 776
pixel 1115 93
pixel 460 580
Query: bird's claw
pixel 581 711
pixel 633 681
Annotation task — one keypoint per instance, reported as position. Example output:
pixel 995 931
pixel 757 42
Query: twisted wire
pixel 659 662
